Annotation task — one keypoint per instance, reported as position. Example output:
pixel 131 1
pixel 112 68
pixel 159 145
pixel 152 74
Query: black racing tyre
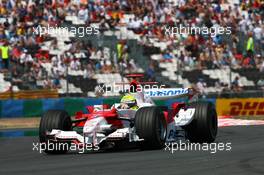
pixel 203 128
pixel 151 125
pixel 54 119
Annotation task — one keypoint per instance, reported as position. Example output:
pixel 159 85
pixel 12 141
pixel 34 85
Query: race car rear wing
pixel 169 93
pixel 156 91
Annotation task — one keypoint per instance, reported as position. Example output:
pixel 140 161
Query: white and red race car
pixel 149 126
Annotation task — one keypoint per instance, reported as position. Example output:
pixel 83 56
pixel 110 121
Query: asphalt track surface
pixel 246 157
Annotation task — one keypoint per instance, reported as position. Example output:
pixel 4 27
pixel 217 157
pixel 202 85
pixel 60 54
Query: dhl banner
pixel 240 106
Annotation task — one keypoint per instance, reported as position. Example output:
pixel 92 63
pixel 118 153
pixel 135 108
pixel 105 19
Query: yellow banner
pixel 240 106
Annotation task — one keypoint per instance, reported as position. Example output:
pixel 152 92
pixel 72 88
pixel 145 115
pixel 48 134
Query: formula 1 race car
pixel 149 126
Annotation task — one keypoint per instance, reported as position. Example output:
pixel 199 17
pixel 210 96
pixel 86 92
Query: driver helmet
pixel 130 101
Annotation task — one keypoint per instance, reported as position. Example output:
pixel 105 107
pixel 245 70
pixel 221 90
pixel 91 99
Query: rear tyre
pixel 203 128
pixel 151 125
pixel 54 119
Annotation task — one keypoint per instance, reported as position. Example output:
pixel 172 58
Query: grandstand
pixel 132 39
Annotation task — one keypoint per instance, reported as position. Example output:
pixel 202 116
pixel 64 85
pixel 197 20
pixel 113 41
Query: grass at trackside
pixel 19 123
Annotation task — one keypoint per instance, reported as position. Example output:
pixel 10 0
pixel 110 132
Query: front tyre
pixel 151 125
pixel 54 119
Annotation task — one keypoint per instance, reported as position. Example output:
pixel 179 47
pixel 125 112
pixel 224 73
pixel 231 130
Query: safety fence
pixel 19 132
pixel 36 107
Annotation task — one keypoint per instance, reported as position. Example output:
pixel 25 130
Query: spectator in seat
pixel 56 79
pixel 167 56
pixel 75 64
pixel 258 35
pixel 250 45
pixel 62 69
pixel 47 83
pixel 200 86
pixel 151 73
pixel 260 64
pixel 5 55
pixel 236 85
pixel 225 87
pixel 83 13
pixel 88 72
pixel 107 66
pixel 16 75
pixel 260 83
pixel 98 66
pixel 32 80
pixel 99 91
pixel 119 50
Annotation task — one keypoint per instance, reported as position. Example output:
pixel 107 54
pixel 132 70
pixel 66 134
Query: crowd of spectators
pixel 195 50
pixel 243 47
pixel 150 20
